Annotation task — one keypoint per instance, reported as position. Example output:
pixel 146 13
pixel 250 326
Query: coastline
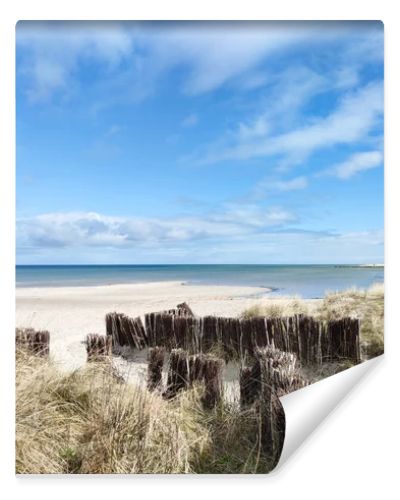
pixel 70 313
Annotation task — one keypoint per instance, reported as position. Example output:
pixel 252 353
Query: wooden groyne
pixel 126 331
pixel 312 341
pixel 272 418
pixel 185 370
pixel 180 310
pixel 35 342
pixel 156 357
pixel 281 372
pixel 98 347
pixel 212 372
pixel 343 340
pixel 178 373
pixel 274 373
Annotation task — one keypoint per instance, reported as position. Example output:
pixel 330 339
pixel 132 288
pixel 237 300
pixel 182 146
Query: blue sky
pixel 199 142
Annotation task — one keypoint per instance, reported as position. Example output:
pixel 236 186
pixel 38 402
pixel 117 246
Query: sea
pixel 307 281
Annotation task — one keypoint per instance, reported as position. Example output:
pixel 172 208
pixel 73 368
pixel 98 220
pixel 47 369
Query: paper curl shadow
pixel 305 409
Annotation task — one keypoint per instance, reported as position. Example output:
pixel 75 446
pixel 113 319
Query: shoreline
pixel 137 283
pixel 70 313
pixel 145 284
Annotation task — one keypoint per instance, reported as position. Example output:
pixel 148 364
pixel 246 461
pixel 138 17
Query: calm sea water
pixel 306 281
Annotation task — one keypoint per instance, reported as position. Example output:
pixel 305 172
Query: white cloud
pixel 54 51
pixel 212 54
pixel 97 230
pixel 288 92
pixel 284 185
pixel 219 54
pixel 355 116
pixel 94 238
pixel 252 130
pixel 190 120
pixel 251 215
pixel 358 162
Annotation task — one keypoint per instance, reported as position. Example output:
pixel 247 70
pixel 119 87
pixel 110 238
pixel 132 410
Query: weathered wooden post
pixel 272 416
pixel 126 331
pixel 36 342
pixel 155 367
pixel 184 310
pixel 249 382
pixel 343 337
pixel 213 382
pixel 282 370
pixel 196 368
pixel 42 343
pixel 98 347
pixel 177 374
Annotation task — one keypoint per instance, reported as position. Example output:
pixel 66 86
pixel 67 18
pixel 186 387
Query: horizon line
pixel 214 264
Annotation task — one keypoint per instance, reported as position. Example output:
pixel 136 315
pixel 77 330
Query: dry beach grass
pixel 89 421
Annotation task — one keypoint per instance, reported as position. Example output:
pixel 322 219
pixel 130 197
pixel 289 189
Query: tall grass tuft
pixel 278 307
pixel 367 306
pixel 90 421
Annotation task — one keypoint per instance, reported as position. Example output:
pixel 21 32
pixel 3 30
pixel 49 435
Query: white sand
pixel 69 313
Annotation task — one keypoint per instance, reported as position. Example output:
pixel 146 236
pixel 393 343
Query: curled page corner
pixel 306 408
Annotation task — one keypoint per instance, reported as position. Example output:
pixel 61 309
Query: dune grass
pixel 89 421
pixel 278 307
pixel 368 307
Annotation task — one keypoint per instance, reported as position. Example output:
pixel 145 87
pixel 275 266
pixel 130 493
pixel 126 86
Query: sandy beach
pixel 70 313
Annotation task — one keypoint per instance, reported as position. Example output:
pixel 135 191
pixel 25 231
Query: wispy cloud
pixel 91 237
pixel 271 186
pixel 190 120
pixel 113 130
pixel 355 164
pixel 248 131
pixel 212 54
pixel 356 115
pixel 93 229
pixel 54 51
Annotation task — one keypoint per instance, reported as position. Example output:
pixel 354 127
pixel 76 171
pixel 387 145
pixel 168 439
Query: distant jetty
pixel 361 265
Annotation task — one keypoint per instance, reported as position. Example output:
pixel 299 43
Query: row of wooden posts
pixel 272 373
pixel 279 368
pixel 185 368
pixel 311 340
pixel 181 344
pixel 268 349
pixel 36 342
pixel 263 378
